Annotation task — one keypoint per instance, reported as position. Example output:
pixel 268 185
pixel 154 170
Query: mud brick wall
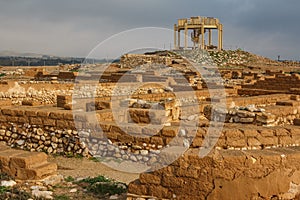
pixel 285 114
pixel 120 77
pixel 279 82
pixel 43 76
pixel 5 103
pixel 144 116
pixel 134 60
pixel 156 92
pixel 153 113
pixel 149 78
pixel 55 132
pixel 224 174
pixel 61 75
pixel 257 92
pixel 235 74
pixel 62 100
pixel 258 100
pixel 231 137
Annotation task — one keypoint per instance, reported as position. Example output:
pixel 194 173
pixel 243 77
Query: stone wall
pixel 37 129
pixel 277 83
pixel 55 132
pixel 63 76
pixel 161 112
pixel 224 174
pixel 232 136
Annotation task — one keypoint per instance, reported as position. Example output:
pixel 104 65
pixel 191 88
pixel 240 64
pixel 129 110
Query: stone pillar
pixel 175 39
pixel 219 37
pixel 210 37
pixel 185 36
pixel 221 46
pixel 202 36
pixel 193 35
pixel 178 38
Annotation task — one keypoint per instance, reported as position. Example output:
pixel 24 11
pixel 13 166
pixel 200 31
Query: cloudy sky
pixel 75 27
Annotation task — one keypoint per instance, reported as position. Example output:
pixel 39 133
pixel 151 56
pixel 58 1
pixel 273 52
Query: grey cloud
pixel 74 27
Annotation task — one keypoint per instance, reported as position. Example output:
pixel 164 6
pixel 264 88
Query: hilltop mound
pixel 230 58
pixel 239 58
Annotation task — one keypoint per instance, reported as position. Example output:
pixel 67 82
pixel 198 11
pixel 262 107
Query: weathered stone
pixel 150 179
pixel 253 142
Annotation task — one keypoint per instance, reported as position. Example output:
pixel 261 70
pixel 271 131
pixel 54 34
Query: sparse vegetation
pixel 78 156
pixel 4 176
pixel 69 155
pixel 69 179
pixel 61 197
pixel 13 194
pixel 96 159
pixel 102 186
pixel 3 189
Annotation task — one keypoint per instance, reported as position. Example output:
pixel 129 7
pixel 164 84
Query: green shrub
pixel 101 185
pixel 61 197
pixel 69 179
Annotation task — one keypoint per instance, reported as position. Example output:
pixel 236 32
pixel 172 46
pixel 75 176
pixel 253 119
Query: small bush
pixel 69 179
pixel 61 197
pixel 101 185
pixel 3 189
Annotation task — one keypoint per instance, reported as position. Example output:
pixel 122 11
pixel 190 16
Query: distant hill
pixel 18 54
pixel 11 58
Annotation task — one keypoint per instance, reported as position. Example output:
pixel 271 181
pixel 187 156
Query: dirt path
pixel 83 167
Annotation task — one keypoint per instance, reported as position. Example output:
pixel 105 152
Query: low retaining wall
pixel 225 174
pixel 37 129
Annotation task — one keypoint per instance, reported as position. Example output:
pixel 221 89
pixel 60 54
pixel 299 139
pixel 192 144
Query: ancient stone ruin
pixel 157 110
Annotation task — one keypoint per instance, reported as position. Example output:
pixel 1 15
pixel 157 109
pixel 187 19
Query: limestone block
pixel 27 159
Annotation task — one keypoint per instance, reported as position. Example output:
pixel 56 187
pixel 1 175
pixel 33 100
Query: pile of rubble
pixel 239 114
pixel 17 72
pixel 134 60
pixel 201 57
pixel 230 58
pixel 18 94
